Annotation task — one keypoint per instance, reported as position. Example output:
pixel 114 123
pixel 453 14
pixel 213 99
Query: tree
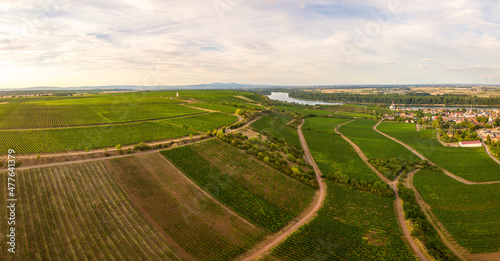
pixel 419 114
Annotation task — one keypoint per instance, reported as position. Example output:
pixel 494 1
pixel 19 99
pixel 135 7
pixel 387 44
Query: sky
pixel 69 43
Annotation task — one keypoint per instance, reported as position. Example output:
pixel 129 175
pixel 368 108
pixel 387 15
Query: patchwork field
pixel 472 164
pixel 351 225
pixel 242 183
pixel 471 213
pixel 196 222
pixel 86 110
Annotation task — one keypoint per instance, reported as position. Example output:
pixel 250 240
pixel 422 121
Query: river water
pixel 283 96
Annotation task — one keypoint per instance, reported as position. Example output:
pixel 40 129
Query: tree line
pixel 408 99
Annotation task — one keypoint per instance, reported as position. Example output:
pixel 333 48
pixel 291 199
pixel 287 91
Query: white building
pixel 393 107
pixel 471 144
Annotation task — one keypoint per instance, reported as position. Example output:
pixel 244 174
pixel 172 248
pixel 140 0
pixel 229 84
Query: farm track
pixel 394 186
pixel 309 215
pixel 111 123
pixel 438 226
pixel 122 156
pixel 489 153
pixel 451 175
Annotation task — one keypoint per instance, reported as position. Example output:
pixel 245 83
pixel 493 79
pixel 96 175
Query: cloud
pixel 90 42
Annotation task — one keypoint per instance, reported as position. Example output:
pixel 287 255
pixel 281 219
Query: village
pixel 464 126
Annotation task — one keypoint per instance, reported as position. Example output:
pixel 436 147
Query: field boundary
pixel 109 124
pixel 438 226
pixel 309 215
pixel 451 175
pixel 394 185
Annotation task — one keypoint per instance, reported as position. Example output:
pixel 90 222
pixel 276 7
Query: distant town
pixel 466 126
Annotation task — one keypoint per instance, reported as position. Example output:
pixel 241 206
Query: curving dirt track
pixel 394 186
pixel 451 175
pixel 309 216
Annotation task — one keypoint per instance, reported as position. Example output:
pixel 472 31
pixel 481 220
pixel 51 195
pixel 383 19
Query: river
pixel 283 96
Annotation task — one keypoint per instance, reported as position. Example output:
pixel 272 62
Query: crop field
pixel 215 107
pixel 25 113
pixel 256 176
pixel 469 163
pixel 275 125
pixel 245 185
pixel 218 96
pixel 327 125
pixel 315 112
pixel 372 143
pixel 471 213
pixel 80 138
pixel 196 222
pixel 335 156
pixel 355 108
pixel 205 122
pixel 495 150
pixel 78 212
pixel 353 115
pixel 351 225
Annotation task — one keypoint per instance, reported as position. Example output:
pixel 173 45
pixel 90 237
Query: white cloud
pixel 73 43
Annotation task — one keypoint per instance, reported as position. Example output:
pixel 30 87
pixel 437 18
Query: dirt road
pixel 309 216
pixel 394 186
pixel 451 175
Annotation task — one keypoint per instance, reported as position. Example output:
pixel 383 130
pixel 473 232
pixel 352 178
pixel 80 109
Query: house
pixel 471 144
pixel 389 118
pixel 450 134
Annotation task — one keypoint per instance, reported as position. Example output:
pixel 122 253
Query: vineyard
pixel 196 222
pixel 24 115
pixel 336 157
pixel 82 138
pixel 471 213
pixel 206 122
pixel 241 183
pixel 275 126
pixel 78 212
pixel 351 225
pixel 326 125
pixel 354 115
pixel 372 143
pixel 472 164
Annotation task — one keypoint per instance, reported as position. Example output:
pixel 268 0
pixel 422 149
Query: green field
pixel 215 107
pixel 315 112
pixel 80 138
pixel 326 125
pixel 78 212
pixel 372 143
pixel 199 224
pixel 45 112
pixel 275 126
pixel 242 183
pixel 351 225
pixel 206 122
pixel 471 213
pixel 469 163
pixel 335 156
pixel 353 115
pixel 218 96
